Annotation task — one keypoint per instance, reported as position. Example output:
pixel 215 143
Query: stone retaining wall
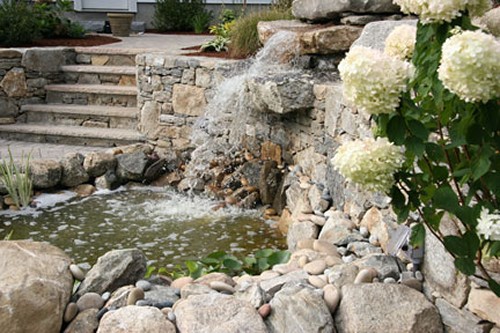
pixel 23 76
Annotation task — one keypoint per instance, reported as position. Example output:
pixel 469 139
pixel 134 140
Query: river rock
pixel 331 295
pixel 341 275
pixel 324 10
pixel 315 267
pixel 77 272
pixel 264 311
pixel 114 269
pixel 135 295
pixel 45 173
pixel 131 166
pixel 299 308
pixel 90 301
pixel 300 231
pixel 144 285
pixel 269 181
pixel 84 190
pixel 272 286
pixel 36 285
pixel 222 287
pixel 70 312
pixel 380 307
pixel 73 172
pixel 325 247
pixel 135 319
pixel 386 266
pixel 97 163
pixel 119 297
pixel 362 249
pixel 211 277
pixel 379 225
pixel 85 322
pixel 108 181
pixel 366 275
pixel 161 294
pixel 317 281
pixel 196 289
pixel 217 313
pixel 179 283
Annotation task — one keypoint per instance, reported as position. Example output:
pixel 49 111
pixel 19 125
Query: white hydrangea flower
pixel 373 81
pixel 401 42
pixel 369 163
pixel 430 11
pixel 470 66
pixel 489 225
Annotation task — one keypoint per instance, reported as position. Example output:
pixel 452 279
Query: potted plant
pixel 120 23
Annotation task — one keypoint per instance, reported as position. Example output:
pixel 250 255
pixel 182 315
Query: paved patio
pixel 171 44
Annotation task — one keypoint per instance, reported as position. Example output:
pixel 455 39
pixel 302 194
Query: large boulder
pixel 374 34
pixel 73 172
pixel 298 308
pixel 97 163
pixel 113 270
pixel 381 307
pixel 45 173
pixel 217 313
pixel 324 10
pixel 135 319
pixel 35 286
pixel 131 166
pixel 329 40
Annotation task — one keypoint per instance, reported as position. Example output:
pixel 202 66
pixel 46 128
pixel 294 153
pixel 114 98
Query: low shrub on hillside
pixel 177 15
pixel 17 26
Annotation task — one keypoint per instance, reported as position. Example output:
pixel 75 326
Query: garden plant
pixel 434 96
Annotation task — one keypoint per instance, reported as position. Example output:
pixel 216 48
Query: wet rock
pixel 217 313
pixel 84 190
pixel 135 295
pixel 269 181
pixel 299 308
pixel 90 301
pixel 85 322
pixel 70 312
pixel 45 173
pixel 379 307
pixel 113 270
pixel 267 29
pixel 73 172
pixel 97 163
pixel 135 319
pixel 131 166
pixel 250 201
pixel 108 181
pixel 319 10
pixel 300 231
pixel 35 288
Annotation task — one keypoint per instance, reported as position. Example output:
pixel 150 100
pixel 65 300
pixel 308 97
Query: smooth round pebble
pixel 266 275
pixel 90 301
pixel 265 310
pixel 166 311
pixel 70 312
pixel 389 280
pixel 303 260
pixel 363 231
pixel 106 296
pixel 331 295
pixel 342 250
pixel 349 258
pixel 181 282
pixel 365 275
pixel 315 267
pixel 77 272
pixel 135 295
pixel 305 244
pixel 419 276
pixel 333 261
pixel 374 240
pixel 171 316
pixel 164 304
pixel 143 284
pixel 221 286
pixel 325 247
pixel 285 268
pixel 317 281
pixel 143 302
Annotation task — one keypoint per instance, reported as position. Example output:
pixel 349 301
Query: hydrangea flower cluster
pixel 431 11
pixel 369 163
pixel 470 66
pixel 401 42
pixel 374 81
pixel 489 225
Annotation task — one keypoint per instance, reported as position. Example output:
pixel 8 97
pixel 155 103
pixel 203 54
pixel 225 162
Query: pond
pixel 168 226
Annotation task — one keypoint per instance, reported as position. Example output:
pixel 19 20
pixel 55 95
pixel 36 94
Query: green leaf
pixel 278 257
pixel 415 145
pixel 396 130
pixel 217 255
pixel 417 237
pixel 494 286
pixel 446 199
pixel 481 167
pixel 440 173
pixel 233 264
pixel 494 249
pixel 418 129
pixel 264 253
pixel 456 245
pixel 434 151
pixel 465 265
pixel 432 217
pixel 399 204
pixel 262 264
pixel 192 266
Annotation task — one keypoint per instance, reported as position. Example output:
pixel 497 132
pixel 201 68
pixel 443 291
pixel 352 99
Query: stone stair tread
pixel 90 110
pixel 75 131
pixel 109 50
pixel 122 70
pixel 93 89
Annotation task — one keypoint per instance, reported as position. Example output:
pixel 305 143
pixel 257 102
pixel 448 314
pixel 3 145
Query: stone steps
pixel 108 75
pixel 92 94
pixel 99 56
pixel 70 135
pixel 81 115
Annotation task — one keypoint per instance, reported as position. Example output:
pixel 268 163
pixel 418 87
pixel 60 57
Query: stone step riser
pixel 107 79
pixel 80 120
pixel 58 97
pixel 66 140
pixel 105 59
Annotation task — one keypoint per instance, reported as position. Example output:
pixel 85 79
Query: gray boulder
pixel 45 173
pixel 217 313
pixel 114 269
pixel 374 34
pixel 135 319
pixel 381 307
pixel 35 286
pixel 131 166
pixel 47 60
pixel 299 308
pixel 96 163
pixel 323 10
pixel 299 231
pixel 73 172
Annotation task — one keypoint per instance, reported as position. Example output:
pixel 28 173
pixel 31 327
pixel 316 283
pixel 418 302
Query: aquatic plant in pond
pixel 446 121
pixel 17 180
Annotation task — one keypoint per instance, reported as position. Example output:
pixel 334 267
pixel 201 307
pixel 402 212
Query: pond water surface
pixel 169 227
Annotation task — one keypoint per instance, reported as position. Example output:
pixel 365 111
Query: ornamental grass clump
pixel 19 184
pixel 445 121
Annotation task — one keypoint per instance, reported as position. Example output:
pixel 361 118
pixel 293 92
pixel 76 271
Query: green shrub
pixel 201 21
pixel 282 5
pixel 244 36
pixel 17 26
pixel 176 15
pixel 53 24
